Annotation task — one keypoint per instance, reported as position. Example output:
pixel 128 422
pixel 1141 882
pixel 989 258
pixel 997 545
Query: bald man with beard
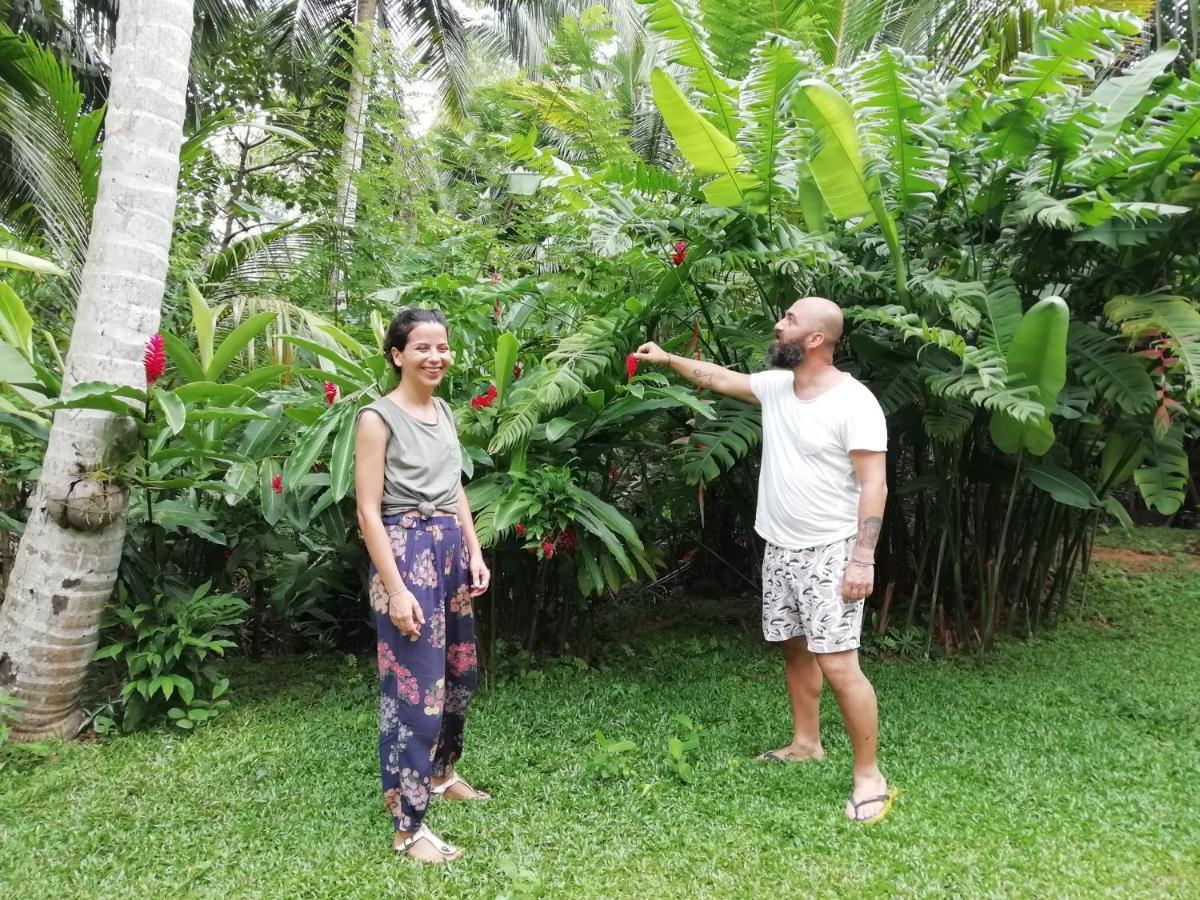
pixel 821 494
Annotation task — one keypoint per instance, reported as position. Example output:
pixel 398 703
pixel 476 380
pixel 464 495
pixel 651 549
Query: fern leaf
pixel 722 442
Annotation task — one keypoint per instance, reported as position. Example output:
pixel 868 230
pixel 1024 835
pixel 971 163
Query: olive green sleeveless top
pixel 423 463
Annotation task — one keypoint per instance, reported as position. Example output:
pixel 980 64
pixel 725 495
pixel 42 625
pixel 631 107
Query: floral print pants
pixel 425 684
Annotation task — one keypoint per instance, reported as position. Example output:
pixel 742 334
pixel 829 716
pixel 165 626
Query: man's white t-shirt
pixel 807 490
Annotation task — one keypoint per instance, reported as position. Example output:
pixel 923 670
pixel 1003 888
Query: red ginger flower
pixel 680 253
pixel 547 550
pixel 484 399
pixel 631 366
pixel 566 541
pixel 155 359
pixel 277 484
pixel 330 393
pixel 520 529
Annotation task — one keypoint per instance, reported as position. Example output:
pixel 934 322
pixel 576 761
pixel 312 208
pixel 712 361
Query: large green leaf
pixel 235 342
pixel 15 259
pixel 240 477
pixel 273 504
pixel 16 325
pixel 100 395
pixel 172 408
pixel 1122 454
pixel 678 22
pixel 344 364
pixel 1063 486
pixel 708 150
pixel 1163 478
pixel 1119 377
pixel 1120 94
pixel 774 68
pixel 341 462
pixel 14 368
pixel 185 361
pixel 506 359
pixel 309 447
pixel 1001 309
pixel 202 321
pixel 892 97
pixel 838 166
pixel 1036 358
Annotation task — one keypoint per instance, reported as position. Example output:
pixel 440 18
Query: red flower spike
pixel 680 253
pixel 155 359
pixel 517 373
pixel 520 529
pixel 484 400
pixel 331 392
pixel 631 367
pixel 277 484
pixel 547 550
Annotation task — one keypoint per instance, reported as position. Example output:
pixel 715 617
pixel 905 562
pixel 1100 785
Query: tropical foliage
pixel 1010 232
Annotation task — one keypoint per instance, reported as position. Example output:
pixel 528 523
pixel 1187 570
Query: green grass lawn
pixel 1062 767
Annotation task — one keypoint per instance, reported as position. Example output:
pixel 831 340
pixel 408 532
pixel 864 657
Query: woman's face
pixel 426 354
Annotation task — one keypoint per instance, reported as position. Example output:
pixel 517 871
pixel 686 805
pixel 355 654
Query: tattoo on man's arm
pixel 868 532
pixel 702 378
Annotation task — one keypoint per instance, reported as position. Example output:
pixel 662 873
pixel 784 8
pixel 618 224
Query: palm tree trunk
pixel 67 560
pixel 350 160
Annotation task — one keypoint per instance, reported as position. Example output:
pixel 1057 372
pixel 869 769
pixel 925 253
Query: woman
pixel 426 566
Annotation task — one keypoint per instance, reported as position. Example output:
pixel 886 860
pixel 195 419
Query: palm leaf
pixel 892 97
pixel 677 22
pixel 775 66
pixel 723 441
pixel 705 148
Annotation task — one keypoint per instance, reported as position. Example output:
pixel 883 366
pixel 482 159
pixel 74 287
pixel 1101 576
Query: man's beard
pixel 785 354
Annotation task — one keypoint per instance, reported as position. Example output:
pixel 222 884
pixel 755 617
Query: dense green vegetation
pixel 1003 204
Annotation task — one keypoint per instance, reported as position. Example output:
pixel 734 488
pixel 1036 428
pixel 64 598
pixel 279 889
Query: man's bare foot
pixel 425 850
pixel 874 790
pixel 457 789
pixel 794 753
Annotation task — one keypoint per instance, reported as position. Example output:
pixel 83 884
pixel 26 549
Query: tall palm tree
pixel 67 561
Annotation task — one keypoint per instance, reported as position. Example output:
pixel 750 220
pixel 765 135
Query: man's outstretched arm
pixel 706 375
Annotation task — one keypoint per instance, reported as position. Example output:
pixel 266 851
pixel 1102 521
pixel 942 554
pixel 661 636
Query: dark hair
pixel 406 320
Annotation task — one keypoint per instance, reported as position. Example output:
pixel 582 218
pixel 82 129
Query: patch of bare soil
pixel 1140 561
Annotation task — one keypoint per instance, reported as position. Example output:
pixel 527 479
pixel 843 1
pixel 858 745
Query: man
pixel 821 495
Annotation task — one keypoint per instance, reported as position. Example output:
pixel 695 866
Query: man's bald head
pixel 820 314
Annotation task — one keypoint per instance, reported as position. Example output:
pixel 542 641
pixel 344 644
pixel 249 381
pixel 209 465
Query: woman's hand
pixel 405 612
pixel 480 576
pixel 858 582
